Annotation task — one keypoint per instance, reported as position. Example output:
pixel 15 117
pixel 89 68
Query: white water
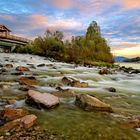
pixel 69 119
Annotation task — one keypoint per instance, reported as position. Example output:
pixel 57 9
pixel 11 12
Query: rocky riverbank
pixel 38 95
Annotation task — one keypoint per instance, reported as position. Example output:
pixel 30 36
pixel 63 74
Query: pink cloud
pixel 64 4
pixel 130 4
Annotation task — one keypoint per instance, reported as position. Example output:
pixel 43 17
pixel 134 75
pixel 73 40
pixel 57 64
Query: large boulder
pixel 19 124
pixel 73 82
pixel 22 68
pixel 90 103
pixel 27 80
pixel 38 99
pixel 10 114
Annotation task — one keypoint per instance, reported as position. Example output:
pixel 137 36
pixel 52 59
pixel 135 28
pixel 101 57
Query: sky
pixel 119 20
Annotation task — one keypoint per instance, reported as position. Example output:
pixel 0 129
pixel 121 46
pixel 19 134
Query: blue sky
pixel 119 20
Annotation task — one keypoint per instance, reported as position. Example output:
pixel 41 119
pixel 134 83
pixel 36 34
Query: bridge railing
pixel 12 37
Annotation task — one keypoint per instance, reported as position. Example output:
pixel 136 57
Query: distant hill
pixel 136 59
pixel 120 59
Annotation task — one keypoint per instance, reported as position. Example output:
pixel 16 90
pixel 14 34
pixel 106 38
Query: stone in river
pixel 11 114
pixel 8 66
pixel 111 89
pixel 74 83
pixel 104 71
pixel 42 99
pixel 64 93
pixel 90 103
pixel 41 65
pixel 22 68
pixel 27 80
pixel 131 124
pixel 19 124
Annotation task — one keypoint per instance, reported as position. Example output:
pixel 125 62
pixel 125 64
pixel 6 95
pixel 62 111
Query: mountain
pixel 136 59
pixel 120 59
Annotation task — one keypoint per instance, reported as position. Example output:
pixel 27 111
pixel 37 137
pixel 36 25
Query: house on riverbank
pixel 9 42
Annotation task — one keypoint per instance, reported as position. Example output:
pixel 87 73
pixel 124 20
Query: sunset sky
pixel 119 20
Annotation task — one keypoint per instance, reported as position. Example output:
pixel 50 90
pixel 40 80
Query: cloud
pixel 119 19
pixel 64 4
pixel 128 52
pixel 131 4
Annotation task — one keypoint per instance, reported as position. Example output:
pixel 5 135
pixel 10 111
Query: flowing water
pixel 69 120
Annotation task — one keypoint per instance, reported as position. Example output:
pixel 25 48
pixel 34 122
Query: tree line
pixel 86 49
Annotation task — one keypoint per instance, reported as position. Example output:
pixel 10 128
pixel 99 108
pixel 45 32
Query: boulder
pixel 17 73
pixel 74 83
pixel 19 124
pixel 38 99
pixel 26 87
pixel 131 124
pixel 135 71
pixel 64 93
pixel 11 114
pixel 79 84
pixel 4 86
pixel 8 66
pixel 1 65
pixel 27 80
pixel 90 103
pixel 41 65
pixel 22 68
pixel 11 101
pixel 111 89
pixel 104 71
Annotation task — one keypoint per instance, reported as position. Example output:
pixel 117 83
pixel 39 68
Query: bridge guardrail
pixel 12 37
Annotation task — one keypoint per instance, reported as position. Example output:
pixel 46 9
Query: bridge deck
pixel 12 37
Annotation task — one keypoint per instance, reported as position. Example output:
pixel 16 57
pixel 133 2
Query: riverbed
pixel 67 119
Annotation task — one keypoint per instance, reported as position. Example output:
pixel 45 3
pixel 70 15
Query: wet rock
pixel 17 73
pixel 2 122
pixel 74 83
pixel 12 101
pixel 3 70
pixel 4 86
pixel 136 71
pixel 1 65
pixel 130 70
pixel 131 124
pixel 41 65
pixel 104 71
pixel 111 89
pixel 67 80
pixel 11 114
pixel 90 103
pixel 64 93
pixel 8 66
pixel 27 80
pixel 26 88
pixel 25 122
pixel 79 84
pixel 42 99
pixel 22 68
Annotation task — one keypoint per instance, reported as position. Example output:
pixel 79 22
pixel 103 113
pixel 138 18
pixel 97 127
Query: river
pixel 69 120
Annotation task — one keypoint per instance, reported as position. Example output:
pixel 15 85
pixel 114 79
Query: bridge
pixel 10 42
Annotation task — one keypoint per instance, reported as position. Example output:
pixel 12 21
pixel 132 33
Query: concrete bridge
pixel 10 42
